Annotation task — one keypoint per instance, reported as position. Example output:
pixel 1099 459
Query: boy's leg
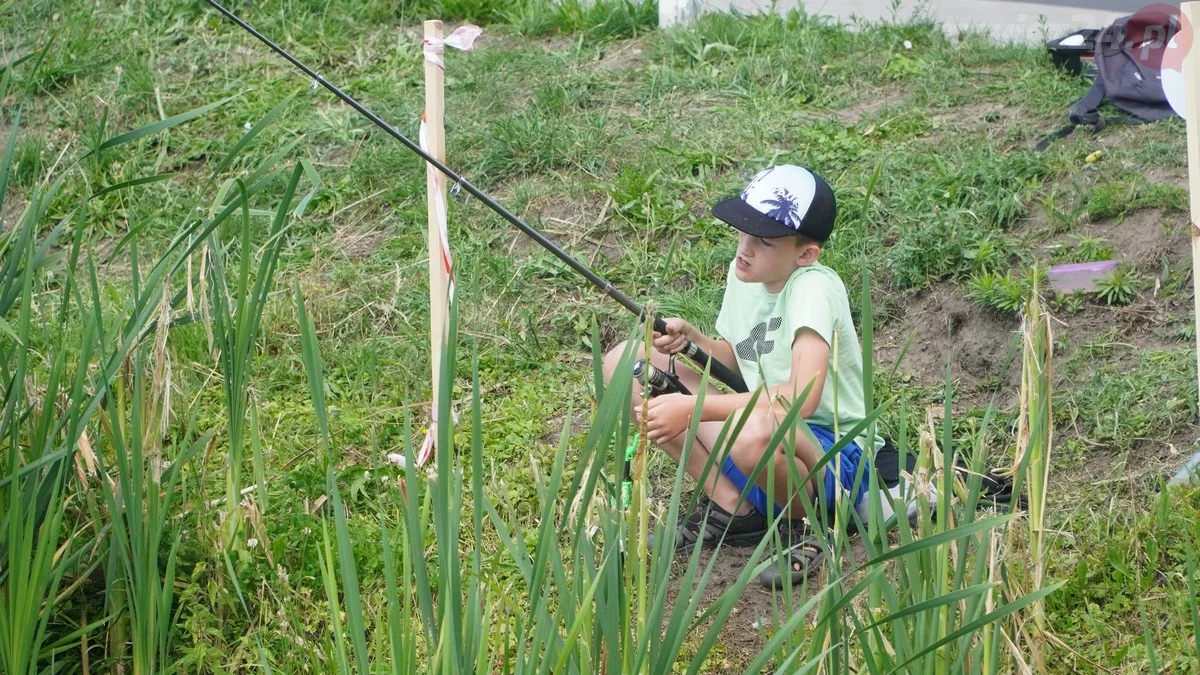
pixel 796 450
pixel 802 553
pixel 716 485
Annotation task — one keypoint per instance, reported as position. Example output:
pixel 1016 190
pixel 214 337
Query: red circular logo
pixel 1156 36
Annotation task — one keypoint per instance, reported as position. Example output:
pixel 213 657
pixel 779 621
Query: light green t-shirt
pixel 761 326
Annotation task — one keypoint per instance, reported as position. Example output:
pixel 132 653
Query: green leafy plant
pixel 1082 249
pixel 1002 292
pixel 530 17
pixel 30 163
pixel 1005 292
pixel 129 399
pixel 634 193
pixel 33 492
pixel 900 66
pixel 237 317
pixel 1133 191
pixel 110 373
pixel 1071 303
pixel 989 255
pixel 1119 288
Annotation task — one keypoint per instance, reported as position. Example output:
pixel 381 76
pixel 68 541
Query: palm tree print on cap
pixel 784 208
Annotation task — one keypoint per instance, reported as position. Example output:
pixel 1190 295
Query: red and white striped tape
pixel 439 207
pixel 462 39
pixel 440 210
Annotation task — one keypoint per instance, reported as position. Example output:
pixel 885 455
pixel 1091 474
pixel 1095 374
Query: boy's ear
pixel 808 253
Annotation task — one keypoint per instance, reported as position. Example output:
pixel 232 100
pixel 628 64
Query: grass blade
pixel 933 603
pixel 350 588
pixel 1148 639
pixel 252 133
pixel 162 125
pixel 974 626
pixel 398 637
pixel 1193 588
pixel 133 182
pixel 6 160
pixel 939 539
pixel 311 356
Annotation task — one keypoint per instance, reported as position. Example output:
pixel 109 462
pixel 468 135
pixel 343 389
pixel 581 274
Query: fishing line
pixel 701 358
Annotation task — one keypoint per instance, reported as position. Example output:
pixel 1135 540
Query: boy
pixel 786 316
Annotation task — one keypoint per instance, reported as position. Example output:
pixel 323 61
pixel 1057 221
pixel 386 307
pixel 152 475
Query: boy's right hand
pixel 679 332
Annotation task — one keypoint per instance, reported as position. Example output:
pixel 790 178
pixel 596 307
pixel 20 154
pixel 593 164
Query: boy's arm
pixel 810 360
pixel 718 349
pixel 679 332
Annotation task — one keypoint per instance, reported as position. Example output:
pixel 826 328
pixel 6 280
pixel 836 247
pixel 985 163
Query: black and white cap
pixel 782 201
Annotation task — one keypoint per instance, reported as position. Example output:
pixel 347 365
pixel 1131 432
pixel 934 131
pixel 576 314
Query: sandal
pixel 710 525
pixel 803 558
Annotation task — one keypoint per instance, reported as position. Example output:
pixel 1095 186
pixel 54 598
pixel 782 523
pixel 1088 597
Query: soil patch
pixel 1140 238
pixel 1150 241
pixel 759 611
pixel 11 210
pixel 336 155
pixel 359 244
pixel 580 422
pixel 989 112
pixel 570 224
pixel 1169 175
pixel 867 106
pixel 942 323
pixel 351 233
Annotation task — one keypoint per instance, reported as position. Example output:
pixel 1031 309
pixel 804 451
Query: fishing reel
pixel 659 381
pixel 656 381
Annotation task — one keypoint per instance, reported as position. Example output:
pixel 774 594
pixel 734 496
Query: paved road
pixel 1018 20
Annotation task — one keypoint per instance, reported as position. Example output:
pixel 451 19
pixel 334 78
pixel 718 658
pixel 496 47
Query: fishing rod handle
pixel 702 358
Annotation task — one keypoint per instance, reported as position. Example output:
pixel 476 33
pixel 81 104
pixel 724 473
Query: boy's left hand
pixel 667 416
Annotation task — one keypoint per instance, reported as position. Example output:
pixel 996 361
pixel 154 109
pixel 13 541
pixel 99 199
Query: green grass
pixel 612 137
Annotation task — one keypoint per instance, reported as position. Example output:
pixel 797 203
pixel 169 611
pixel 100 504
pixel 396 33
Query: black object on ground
pixel 1071 56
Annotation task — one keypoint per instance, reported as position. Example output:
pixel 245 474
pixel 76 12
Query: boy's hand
pixel 679 332
pixel 667 416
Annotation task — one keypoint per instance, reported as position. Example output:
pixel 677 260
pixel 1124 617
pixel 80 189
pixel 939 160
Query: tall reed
pixel 95 458
pixel 1031 463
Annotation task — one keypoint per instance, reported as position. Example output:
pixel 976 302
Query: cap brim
pixel 741 216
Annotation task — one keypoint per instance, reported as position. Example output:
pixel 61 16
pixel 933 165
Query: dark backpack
pixel 1128 75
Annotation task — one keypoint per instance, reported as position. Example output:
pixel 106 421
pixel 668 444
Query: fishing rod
pixel 691 350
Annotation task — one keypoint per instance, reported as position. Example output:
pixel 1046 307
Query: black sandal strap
pixel 807 554
pixel 710 524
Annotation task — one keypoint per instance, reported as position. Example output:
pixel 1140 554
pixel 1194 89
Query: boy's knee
pixel 751 443
pixel 612 359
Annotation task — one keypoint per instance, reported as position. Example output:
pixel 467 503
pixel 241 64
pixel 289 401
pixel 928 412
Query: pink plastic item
pixel 1080 276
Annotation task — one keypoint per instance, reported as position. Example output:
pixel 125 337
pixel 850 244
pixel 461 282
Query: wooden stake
pixel 1191 77
pixel 435 186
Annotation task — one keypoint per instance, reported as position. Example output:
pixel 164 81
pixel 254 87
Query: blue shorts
pixel 851 457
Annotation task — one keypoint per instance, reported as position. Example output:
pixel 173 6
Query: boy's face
pixel 771 261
